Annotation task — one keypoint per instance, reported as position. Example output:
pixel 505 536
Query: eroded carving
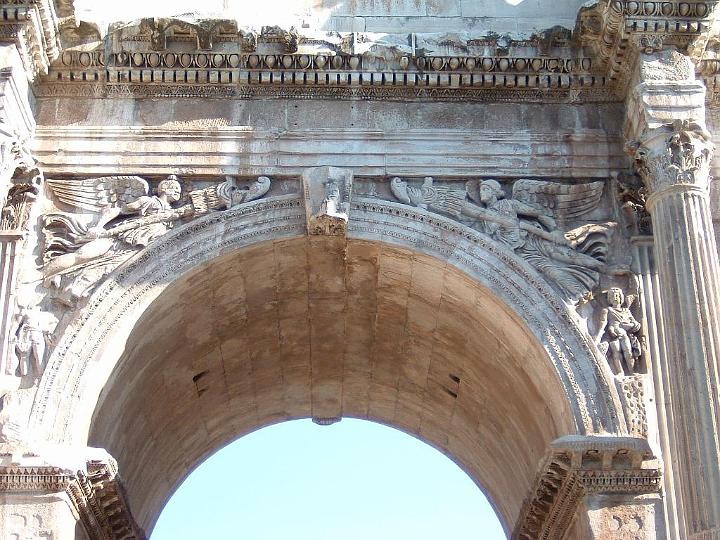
pixel 619 336
pixel 675 155
pixel 33 335
pixel 29 527
pixel 327 200
pixel 632 392
pixel 19 172
pixel 119 219
pixel 16 212
pixel 530 222
pixel 632 196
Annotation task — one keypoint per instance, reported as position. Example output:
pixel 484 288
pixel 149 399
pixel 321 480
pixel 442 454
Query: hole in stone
pixel 455 378
pixel 199 376
pixel 453 394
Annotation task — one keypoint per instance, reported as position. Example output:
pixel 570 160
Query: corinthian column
pixel 672 148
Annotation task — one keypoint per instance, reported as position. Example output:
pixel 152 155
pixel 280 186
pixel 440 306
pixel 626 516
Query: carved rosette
pixel 673 158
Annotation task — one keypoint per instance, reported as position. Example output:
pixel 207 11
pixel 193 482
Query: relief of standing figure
pixel 32 337
pixel 619 331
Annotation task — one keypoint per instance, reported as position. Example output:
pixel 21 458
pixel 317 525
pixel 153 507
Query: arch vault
pixel 240 319
pixel 491 230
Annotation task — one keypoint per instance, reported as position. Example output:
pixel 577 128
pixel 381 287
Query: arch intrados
pixel 214 358
pixel 124 298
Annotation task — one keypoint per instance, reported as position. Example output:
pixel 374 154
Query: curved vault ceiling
pixel 296 328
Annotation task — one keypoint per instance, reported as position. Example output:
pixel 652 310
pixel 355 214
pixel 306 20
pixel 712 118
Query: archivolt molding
pixel 583 372
pixel 151 58
pixel 105 319
pixel 64 401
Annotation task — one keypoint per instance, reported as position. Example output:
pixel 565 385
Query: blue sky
pixel 354 480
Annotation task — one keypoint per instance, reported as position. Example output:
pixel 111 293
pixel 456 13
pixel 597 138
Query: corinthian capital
pixel 674 157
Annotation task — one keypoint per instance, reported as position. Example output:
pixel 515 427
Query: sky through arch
pixel 354 480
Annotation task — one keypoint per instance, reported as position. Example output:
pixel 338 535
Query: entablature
pixel 191 57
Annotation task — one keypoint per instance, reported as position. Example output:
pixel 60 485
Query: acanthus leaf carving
pixel 120 217
pixel 528 222
pixel 674 156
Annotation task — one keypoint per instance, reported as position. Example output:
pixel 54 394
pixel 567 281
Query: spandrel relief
pixel 113 217
pixel 32 337
pixel 559 229
pixel 619 336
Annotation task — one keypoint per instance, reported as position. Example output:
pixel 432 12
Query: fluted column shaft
pixel 674 161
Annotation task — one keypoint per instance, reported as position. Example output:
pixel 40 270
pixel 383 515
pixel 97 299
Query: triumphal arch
pixel 487 225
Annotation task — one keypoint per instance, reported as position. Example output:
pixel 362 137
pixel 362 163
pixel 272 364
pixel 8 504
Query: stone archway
pixel 393 336
pixel 239 319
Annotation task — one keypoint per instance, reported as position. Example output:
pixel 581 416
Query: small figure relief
pixel 117 218
pixel 327 198
pixel 31 339
pixel 619 334
pixel 530 223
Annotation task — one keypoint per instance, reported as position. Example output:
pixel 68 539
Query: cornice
pixel 559 78
pixel 32 25
pixel 577 466
pixel 96 493
pixel 182 57
pixel 152 58
pixel 100 500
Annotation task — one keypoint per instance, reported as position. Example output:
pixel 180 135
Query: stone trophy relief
pixel 102 222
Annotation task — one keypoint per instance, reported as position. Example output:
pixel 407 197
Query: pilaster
pixel 20 186
pixel 665 127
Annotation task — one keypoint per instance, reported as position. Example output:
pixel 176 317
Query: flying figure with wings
pixel 527 222
pixel 120 218
pixel 74 241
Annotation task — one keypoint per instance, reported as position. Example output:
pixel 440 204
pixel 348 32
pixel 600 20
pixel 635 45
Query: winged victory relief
pixel 531 222
pixel 116 216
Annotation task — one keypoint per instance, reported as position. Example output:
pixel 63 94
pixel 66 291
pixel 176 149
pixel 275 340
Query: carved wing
pixel 565 202
pixel 440 198
pixel 96 194
pixel 259 188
